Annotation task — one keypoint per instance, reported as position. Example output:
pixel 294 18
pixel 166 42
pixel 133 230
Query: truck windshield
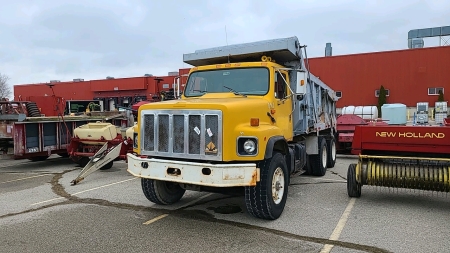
pixel 245 81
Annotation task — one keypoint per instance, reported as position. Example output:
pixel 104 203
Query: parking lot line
pixel 340 226
pixel 331 180
pixel 25 178
pixel 155 219
pixel 95 188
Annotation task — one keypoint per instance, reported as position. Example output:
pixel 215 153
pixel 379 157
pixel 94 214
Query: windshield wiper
pixel 235 92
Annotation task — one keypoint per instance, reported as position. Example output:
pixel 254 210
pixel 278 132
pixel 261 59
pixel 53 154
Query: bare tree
pixel 5 89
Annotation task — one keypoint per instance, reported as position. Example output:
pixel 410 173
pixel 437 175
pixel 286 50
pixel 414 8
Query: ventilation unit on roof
pixel 417 43
pixel 173 73
pixel 55 81
pixel 328 50
pixel 148 75
pixel 442 33
pixel 109 77
pixel 78 80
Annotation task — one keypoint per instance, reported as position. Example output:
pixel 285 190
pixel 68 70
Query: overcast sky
pixel 44 40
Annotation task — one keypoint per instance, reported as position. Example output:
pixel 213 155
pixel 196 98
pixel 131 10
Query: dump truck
pixel 251 116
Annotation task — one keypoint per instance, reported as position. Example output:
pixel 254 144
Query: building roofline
pixel 385 52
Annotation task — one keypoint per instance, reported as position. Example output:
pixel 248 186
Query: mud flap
pixel 100 159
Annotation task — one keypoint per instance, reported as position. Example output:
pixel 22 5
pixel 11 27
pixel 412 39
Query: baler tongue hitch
pixel 102 158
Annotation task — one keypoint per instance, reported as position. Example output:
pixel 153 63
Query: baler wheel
pixel 319 162
pixel 331 152
pixel 162 192
pixel 353 187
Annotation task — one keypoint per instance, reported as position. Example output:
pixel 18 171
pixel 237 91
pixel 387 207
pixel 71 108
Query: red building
pixel 113 92
pixel 409 76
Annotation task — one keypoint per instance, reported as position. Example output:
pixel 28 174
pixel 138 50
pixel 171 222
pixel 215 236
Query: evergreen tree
pixel 441 96
pixel 381 99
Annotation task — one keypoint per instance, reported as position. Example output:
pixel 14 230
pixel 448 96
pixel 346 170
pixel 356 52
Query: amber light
pixel 254 122
pixel 302 82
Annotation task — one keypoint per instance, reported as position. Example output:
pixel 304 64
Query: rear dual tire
pixel 319 162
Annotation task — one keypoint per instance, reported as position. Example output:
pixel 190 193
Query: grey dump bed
pixel 281 50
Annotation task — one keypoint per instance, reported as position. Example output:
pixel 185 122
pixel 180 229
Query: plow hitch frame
pixel 102 159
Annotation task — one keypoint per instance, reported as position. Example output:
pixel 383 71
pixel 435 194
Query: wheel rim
pixel 278 185
pixel 324 158
pixel 333 150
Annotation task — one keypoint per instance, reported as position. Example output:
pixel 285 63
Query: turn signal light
pixel 302 82
pixel 254 122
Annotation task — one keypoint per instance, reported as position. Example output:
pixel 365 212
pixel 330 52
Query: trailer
pixel 36 129
pixel 250 116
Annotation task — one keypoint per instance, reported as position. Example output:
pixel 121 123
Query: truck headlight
pixel 249 146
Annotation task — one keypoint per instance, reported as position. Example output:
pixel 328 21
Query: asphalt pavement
pixel 107 212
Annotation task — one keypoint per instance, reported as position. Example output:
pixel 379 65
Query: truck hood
pixel 228 103
pixel 210 101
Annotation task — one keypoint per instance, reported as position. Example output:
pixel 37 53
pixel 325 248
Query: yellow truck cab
pixel 250 116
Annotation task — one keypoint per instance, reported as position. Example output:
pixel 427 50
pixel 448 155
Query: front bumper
pixel 203 174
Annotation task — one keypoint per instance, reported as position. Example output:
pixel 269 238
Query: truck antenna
pixel 226 35
pixel 226 40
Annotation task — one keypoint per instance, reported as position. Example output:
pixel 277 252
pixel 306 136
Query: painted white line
pixel 195 200
pixel 155 219
pixel 332 180
pixel 25 178
pixel 50 200
pixel 340 226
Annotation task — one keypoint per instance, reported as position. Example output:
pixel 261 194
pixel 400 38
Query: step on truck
pixel 251 116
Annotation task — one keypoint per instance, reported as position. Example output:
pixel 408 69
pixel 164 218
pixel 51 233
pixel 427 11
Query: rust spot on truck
pixel 255 177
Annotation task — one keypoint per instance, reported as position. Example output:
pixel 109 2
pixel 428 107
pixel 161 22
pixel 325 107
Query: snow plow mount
pixel 104 157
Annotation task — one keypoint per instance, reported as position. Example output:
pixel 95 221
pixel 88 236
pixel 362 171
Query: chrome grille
pixel 195 134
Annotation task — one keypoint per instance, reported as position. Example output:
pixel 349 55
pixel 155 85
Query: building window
pixel 339 94
pixel 435 91
pixel 377 93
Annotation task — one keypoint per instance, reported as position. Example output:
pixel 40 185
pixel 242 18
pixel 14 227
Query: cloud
pixel 44 40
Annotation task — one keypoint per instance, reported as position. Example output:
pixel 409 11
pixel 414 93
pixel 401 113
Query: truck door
pixel 283 103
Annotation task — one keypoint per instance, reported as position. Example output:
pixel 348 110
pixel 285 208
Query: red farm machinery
pixel 34 130
pixel 408 157
pixel 345 128
pixel 95 146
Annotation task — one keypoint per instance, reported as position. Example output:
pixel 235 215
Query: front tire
pixel 267 199
pixel 162 192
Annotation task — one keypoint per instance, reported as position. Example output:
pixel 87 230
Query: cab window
pixel 280 85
